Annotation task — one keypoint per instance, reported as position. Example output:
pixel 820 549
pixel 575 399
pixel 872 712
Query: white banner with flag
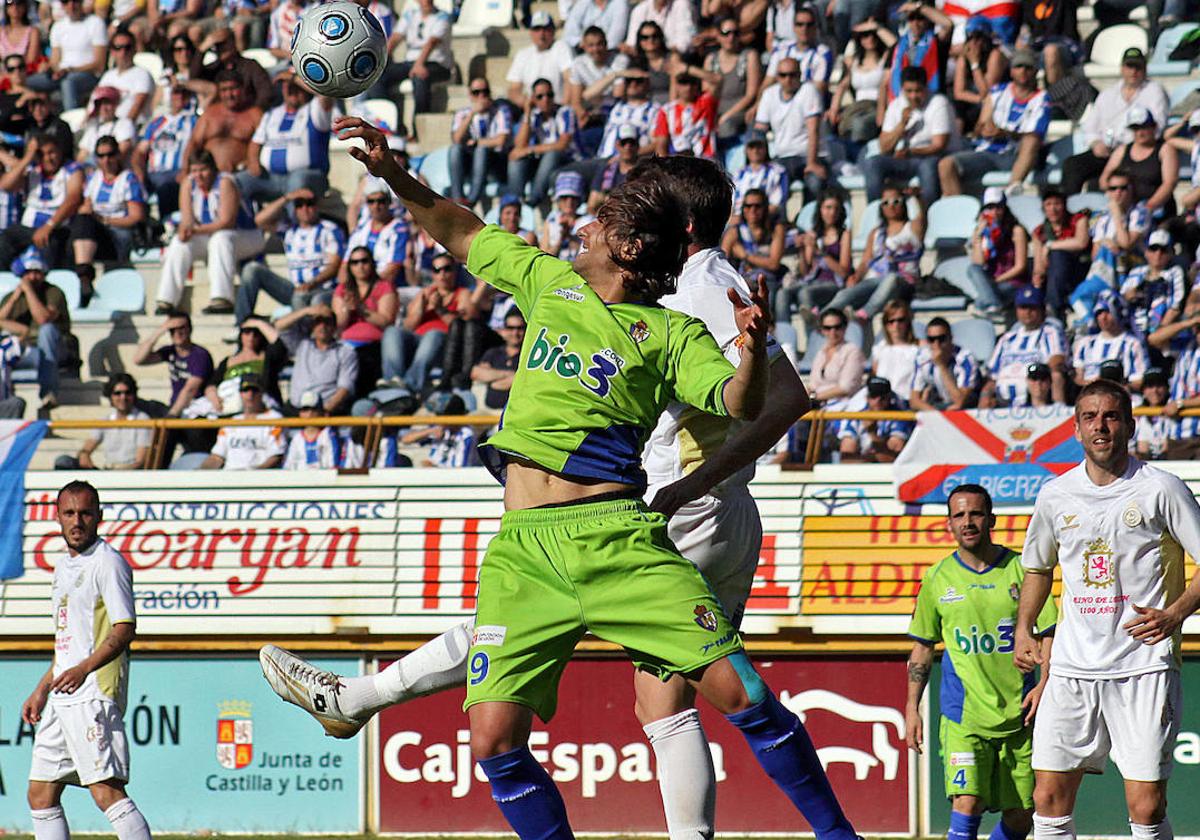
pixel 1010 451
pixel 18 441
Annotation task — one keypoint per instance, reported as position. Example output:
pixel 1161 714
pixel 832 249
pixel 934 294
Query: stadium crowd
pixel 220 157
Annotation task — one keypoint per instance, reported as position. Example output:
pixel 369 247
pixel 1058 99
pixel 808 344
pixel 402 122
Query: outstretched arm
pixel 451 224
pixel 746 392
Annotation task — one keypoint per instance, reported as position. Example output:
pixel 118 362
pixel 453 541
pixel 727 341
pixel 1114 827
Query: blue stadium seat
pixel 977 335
pixel 436 168
pixel 1160 63
pixel 68 282
pixel 121 290
pixel 1179 93
pixel 1028 210
pixel 8 282
pixel 1056 153
pixel 854 335
pixel 951 220
pixel 1093 202
pixel 735 159
pixel 189 461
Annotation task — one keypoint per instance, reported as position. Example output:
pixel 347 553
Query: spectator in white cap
pixel 1112 341
pixel 314 447
pixel 546 140
pixel 1183 136
pixel 1150 162
pixel 616 168
pixel 481 135
pixel 545 58
pixel 999 255
pixel 1104 128
pixel 425 30
pixel 918 129
pixel 36 313
pixel 1010 131
pixel 1156 292
pixel 610 15
pixel 103 122
pixel 560 230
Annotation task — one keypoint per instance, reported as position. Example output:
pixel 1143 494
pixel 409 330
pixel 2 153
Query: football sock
pixel 686 777
pixel 783 748
pixel 127 821
pixel 1053 828
pixel 437 665
pixel 963 826
pixel 526 796
pixel 1004 832
pixel 50 824
pixel 1162 831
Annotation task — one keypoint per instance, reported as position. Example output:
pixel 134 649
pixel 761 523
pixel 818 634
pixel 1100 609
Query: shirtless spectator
pixel 248 73
pixel 226 127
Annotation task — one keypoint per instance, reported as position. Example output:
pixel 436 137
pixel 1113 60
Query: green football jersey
pixel 974 614
pixel 592 378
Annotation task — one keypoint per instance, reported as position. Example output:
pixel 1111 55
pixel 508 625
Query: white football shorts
pixel 80 744
pixel 722 537
pixel 1081 722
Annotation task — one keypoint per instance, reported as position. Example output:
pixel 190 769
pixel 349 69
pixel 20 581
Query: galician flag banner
pixel 1010 451
pixel 18 441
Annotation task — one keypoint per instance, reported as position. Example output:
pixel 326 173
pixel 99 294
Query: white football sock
pixel 50 824
pixel 686 777
pixel 435 666
pixel 1162 831
pixel 127 821
pixel 1053 828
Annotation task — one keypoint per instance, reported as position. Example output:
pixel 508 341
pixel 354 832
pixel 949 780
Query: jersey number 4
pixel 960 779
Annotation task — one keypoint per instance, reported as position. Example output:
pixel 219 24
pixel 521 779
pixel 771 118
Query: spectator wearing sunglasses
pixel 947 376
pixel 249 447
pixel 121 448
pixel 158 156
pixel 1156 292
pixel 18 36
pixel 313 247
pixel 386 235
pixel 411 349
pixel 189 365
pixel 77 56
pixel 114 203
pixel 546 140
pixel 878 441
pixel 814 60
pixel 610 15
pixel 676 18
pixel 1039 387
pixel 135 84
pixel 53 188
pixel 103 121
pixel 14 96
pixel 481 135
pixel 791 109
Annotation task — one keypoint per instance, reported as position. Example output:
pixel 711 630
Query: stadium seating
pixel 1108 47
pixel 1092 202
pixel 1028 210
pixel 950 222
pixel 977 335
pixel 68 282
pixel 1160 63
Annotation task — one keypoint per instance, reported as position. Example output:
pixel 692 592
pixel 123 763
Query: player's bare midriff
pixel 528 485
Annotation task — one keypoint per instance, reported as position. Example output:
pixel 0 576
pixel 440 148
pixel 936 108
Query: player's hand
pixel 668 500
pixel 375 154
pixel 31 709
pixel 1030 704
pixel 69 680
pixel 1151 625
pixel 914 730
pixel 1027 653
pixel 752 318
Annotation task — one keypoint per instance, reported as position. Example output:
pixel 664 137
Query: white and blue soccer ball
pixel 339 49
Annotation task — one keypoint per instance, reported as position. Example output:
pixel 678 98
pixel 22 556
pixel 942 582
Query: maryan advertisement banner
pixel 596 752
pixel 211 749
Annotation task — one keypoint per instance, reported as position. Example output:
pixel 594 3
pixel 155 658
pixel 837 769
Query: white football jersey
pixel 92 591
pixel 685 436
pixel 1118 545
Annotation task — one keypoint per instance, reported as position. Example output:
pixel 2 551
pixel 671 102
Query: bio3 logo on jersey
pixel 556 358
pixel 974 641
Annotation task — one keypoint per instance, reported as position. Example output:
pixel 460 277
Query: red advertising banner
pixel 597 753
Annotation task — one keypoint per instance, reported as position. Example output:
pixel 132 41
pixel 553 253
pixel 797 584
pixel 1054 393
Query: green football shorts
pixel 551 574
pixel 997 770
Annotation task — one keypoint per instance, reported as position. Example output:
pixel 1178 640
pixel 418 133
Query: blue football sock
pixel 964 826
pixel 783 748
pixel 526 795
pixel 1004 832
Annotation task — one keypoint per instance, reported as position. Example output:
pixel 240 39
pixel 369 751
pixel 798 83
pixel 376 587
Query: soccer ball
pixel 339 49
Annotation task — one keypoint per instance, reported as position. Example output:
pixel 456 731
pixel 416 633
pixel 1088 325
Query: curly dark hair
pixel 647 236
pixel 700 186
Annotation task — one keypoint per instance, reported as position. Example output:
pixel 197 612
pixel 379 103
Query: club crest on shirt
pixel 1099 564
pixel 639 331
pixel 706 618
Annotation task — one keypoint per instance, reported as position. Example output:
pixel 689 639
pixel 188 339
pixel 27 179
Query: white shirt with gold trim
pixel 92 592
pixel 1119 545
